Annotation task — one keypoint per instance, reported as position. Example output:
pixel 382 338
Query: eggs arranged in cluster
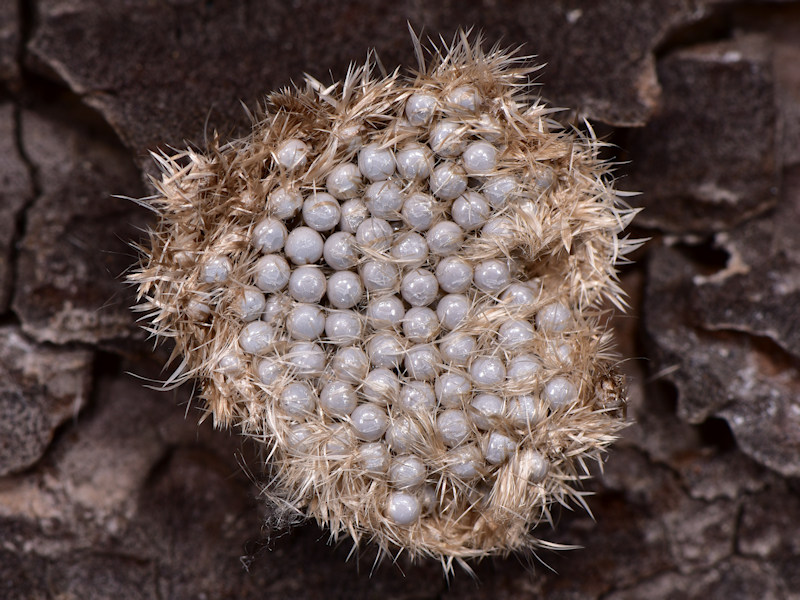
pixel 369 314
pixel 397 290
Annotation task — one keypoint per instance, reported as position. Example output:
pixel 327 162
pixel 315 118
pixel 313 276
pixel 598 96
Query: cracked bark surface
pixel 10 36
pixel 108 488
pixel 15 191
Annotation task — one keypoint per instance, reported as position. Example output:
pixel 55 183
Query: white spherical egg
pixel 343 327
pixel 376 163
pixel 379 275
pixel 486 409
pixel 464 462
pixel 305 322
pixel 349 136
pixel 298 399
pixel 537 465
pixel 230 364
pixel 452 309
pixel 479 158
pixel 420 107
pixel 251 303
pixel 488 128
pixel 198 310
pixel 457 348
pixel 299 439
pixel 420 324
pixel 452 426
pixel 354 211
pixel 454 274
pixel 269 370
pixel 501 230
pixel 284 203
pixel 384 199
pixel 523 369
pixel 385 350
pixel 374 457
pixel 304 246
pixel 559 392
pixel 340 442
pixel 278 306
pixel 422 362
pixel 544 179
pixel 292 154
pixel 381 385
pixel 452 389
pixel 419 287
pixel 345 289
pixel 418 211
pixel 417 396
pixel 518 294
pixel 375 233
pixel 256 337
pixel 343 181
pixel 406 471
pixel 470 210
pixel 524 411
pixel 369 422
pixel 350 364
pixel 491 275
pixel 385 311
pixel 415 161
pixel 487 371
pixel 403 508
pixel 307 284
pixel 404 434
pixel 269 235
pixel 498 448
pixel 445 238
pixel 306 359
pixel 216 269
pixel 448 181
pixel 410 249
pixel 271 273
pixel 514 333
pixel 321 211
pixel 561 352
pixel 447 139
pixel 428 498
pixel 340 251
pixel 464 97
pixel 554 318
pixel 499 189
pixel 338 398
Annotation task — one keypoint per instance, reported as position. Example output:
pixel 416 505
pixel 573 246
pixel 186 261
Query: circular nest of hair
pixel 397 284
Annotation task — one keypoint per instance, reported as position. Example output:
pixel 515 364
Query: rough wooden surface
pixel 110 489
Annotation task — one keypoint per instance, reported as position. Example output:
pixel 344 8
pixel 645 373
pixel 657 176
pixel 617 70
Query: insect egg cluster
pixel 395 284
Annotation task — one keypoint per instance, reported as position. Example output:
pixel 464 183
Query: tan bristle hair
pixel 454 445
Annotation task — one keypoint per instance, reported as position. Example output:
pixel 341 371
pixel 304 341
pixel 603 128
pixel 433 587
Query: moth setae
pixel 396 284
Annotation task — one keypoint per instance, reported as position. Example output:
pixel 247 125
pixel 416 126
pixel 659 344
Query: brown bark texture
pixel 109 488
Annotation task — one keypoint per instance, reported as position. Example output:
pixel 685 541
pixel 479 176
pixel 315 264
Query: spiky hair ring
pixel 396 285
